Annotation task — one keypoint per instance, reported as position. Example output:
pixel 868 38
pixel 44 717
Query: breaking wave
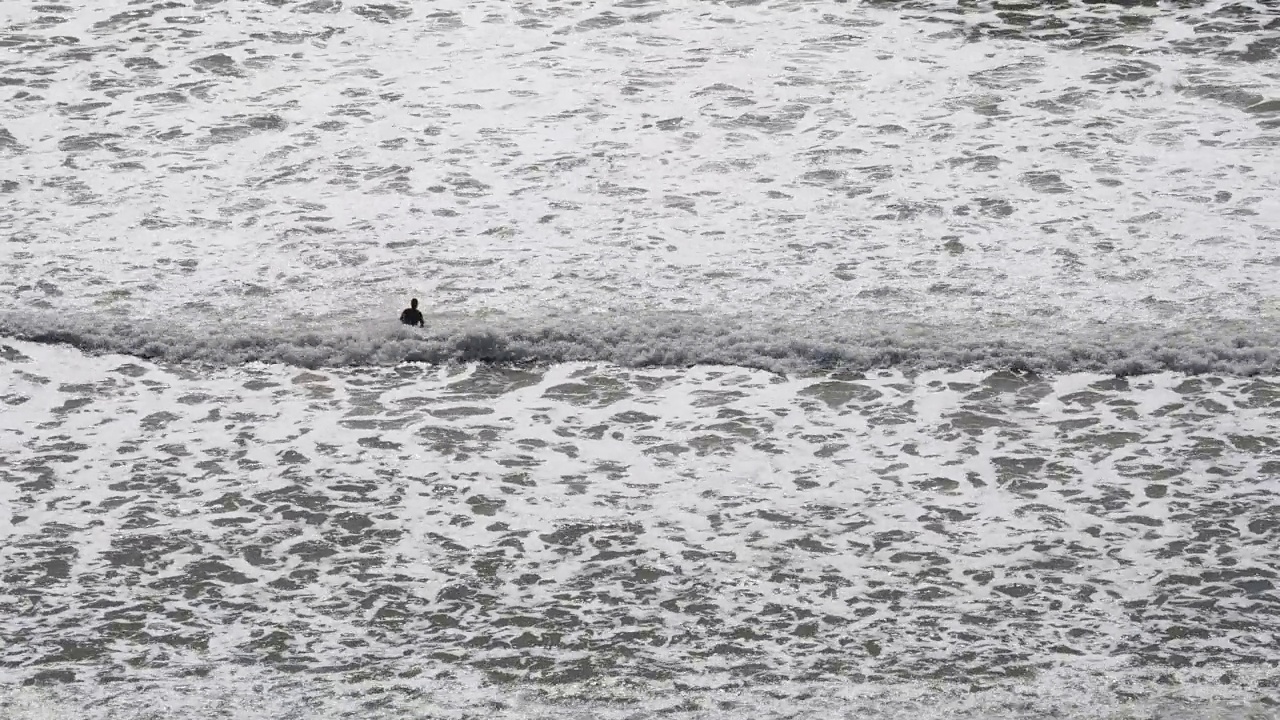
pixel 675 340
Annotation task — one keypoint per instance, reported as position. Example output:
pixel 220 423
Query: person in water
pixel 411 315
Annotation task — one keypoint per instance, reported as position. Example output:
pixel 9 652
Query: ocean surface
pixel 783 359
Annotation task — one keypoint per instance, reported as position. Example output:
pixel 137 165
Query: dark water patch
pixel 909 210
pixel 836 393
pixel 1128 71
pixel 1226 94
pixel 1105 25
pixel 285 38
pixel 158 420
pixel 780 122
pixel 169 98
pixel 218 64
pixel 90 142
pixel 319 7
pixel 977 163
pixel 490 381
pixel 452 413
pixel 976 422
pixel 1264 49
pixel 1045 182
pixel 141 63
pixel 125 18
pixel 598 392
pixel 1264 107
pixel 600 22
pixel 263 122
pixel 382 13
pixel 822 177
pixel 7 140
pixel 8 353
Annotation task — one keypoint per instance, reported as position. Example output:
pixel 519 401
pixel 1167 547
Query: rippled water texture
pixel 712 530
pixel 1015 171
pixel 893 360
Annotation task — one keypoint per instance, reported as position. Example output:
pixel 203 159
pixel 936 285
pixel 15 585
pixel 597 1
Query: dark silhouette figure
pixel 411 315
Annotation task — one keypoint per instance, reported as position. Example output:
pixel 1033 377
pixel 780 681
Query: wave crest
pixel 675 340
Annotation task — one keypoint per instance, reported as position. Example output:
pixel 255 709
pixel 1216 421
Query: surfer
pixel 411 315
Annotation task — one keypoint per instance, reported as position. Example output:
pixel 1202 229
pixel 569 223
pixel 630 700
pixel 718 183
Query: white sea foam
pixel 251 694
pixel 261 166
pixel 687 239
pixel 596 537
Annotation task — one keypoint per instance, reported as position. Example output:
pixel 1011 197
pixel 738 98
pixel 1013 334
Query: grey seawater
pixel 841 360
pixel 586 540
pixel 776 183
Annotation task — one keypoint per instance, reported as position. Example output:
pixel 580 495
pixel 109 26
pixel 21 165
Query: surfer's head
pixel 414 303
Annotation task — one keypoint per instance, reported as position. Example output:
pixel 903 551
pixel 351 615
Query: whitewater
pixel 782 359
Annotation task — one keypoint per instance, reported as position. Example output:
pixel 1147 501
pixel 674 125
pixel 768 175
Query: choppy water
pixel 837 360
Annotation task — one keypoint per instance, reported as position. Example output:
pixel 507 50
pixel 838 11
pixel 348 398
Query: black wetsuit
pixel 412 316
